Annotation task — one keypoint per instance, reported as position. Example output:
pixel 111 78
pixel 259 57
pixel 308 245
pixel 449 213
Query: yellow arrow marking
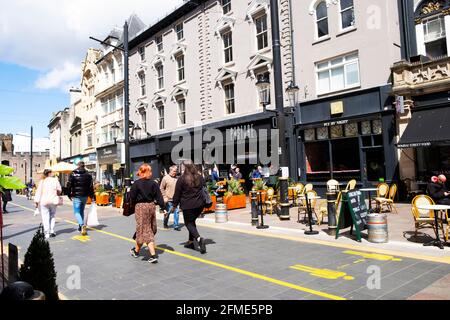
pixel 373 256
pixel 323 273
pixel 82 238
pixel 359 261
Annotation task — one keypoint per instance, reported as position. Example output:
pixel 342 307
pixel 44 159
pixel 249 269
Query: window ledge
pixel 179 83
pixel 229 64
pixel 345 31
pixel 322 95
pixel 321 40
pixel 160 90
pixel 262 51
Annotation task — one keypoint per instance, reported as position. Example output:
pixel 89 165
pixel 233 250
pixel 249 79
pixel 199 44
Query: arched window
pixel 322 19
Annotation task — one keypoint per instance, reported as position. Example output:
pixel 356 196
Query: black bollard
pixel 261 225
pixel 284 199
pixel 331 208
pixel 254 204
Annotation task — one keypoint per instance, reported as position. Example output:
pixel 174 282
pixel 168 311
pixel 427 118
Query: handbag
pixel 128 206
pixel 58 201
pixel 206 198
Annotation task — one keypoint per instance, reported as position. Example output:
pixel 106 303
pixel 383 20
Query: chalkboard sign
pixel 353 213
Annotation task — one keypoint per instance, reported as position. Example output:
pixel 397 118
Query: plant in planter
pixel 101 196
pixel 39 268
pixel 260 186
pixel 235 197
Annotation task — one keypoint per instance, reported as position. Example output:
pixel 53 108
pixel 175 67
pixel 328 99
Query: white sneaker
pixel 47 235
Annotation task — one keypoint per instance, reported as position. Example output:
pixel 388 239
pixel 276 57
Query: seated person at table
pixel 436 189
pixel 257 173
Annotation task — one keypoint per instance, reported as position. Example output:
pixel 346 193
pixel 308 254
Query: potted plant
pixel 118 200
pixel 260 186
pixel 101 196
pixel 235 197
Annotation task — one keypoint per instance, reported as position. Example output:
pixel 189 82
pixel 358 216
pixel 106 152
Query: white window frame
pixel 142 84
pixel 229 99
pixel 179 31
pixel 226 6
pixel 317 37
pixel 159 43
pixel 142 53
pixel 181 76
pixel 159 76
pixel 227 50
pixel 264 33
pixel 143 115
pixel 341 11
pixel 345 62
pixel 181 111
pixel 161 119
pixel 425 22
pixel 89 133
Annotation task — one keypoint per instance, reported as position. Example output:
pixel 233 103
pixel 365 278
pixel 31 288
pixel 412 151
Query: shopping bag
pixel 92 220
pixel 36 212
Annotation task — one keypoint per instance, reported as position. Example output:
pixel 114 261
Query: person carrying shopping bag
pixel 47 198
pixel 144 193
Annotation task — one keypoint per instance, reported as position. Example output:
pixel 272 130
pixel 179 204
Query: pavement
pixel 242 263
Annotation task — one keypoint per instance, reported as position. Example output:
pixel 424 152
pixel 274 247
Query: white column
pixel 421 40
pixel 447 31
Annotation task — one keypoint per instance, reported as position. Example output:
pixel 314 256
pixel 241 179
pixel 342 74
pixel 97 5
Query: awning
pixel 427 128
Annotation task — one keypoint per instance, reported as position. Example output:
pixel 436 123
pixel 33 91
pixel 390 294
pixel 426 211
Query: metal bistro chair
pixel 271 201
pixel 423 218
pixel 388 201
pixel 312 194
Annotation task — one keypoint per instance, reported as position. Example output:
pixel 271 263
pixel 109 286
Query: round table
pixel 309 210
pixel 437 208
pixel 369 190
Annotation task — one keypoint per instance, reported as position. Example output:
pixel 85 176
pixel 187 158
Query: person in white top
pixel 47 198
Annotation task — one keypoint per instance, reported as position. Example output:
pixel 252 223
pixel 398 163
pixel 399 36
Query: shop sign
pixel 334 123
pixel 242 132
pixel 108 155
pixel 93 157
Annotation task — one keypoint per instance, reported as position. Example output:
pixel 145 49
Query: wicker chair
pixel 304 209
pixel 271 201
pixel 388 201
pixel 423 218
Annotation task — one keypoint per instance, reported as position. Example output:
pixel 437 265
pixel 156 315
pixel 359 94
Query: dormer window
pixel 226 6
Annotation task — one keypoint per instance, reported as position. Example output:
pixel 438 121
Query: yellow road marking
pixel 229 268
pixel 82 238
pixel 423 257
pixel 323 273
pixel 373 256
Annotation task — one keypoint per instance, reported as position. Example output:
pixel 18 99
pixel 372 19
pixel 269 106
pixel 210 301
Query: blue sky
pixel 22 104
pixel 42 44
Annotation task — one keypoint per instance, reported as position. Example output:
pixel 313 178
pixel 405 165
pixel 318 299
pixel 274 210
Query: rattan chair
pixel 387 201
pixel 350 185
pixel 304 209
pixel 423 218
pixel 271 201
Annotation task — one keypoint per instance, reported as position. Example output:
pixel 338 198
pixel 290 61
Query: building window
pixel 113 72
pixel 228 46
pixel 161 117
pixel 338 74
pixel 347 14
pixel 322 19
pixel 226 6
pixel 159 43
pixel 160 75
pixel 179 29
pixel 435 37
pixel 104 105
pixel 181 111
pixel 89 140
pixel 180 67
pixel 120 101
pixel 120 63
pixel 229 98
pixel 144 121
pixel 261 32
pixel 112 103
pixel 142 53
pixel 142 83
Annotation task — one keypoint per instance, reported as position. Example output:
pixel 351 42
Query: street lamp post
pixel 279 102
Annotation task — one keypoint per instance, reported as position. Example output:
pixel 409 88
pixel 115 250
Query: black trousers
pixel 190 216
pixel 4 205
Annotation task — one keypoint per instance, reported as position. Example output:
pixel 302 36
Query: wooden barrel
pixel 221 213
pixel 377 228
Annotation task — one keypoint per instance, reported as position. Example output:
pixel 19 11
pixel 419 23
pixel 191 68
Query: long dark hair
pixel 191 174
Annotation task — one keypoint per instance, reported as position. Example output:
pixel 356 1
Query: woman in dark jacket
pixel 6 197
pixel 189 195
pixel 144 193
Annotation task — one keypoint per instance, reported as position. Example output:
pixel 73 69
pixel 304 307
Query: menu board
pixel 353 213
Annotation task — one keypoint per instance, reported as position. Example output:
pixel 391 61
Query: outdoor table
pixel 369 190
pixel 309 210
pixel 437 208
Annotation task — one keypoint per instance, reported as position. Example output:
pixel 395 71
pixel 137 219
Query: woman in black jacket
pixel 6 197
pixel 145 193
pixel 189 195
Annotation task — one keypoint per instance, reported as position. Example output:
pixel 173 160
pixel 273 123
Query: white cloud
pixel 52 36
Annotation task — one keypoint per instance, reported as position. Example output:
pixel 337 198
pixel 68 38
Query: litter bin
pixel 221 213
pixel 377 228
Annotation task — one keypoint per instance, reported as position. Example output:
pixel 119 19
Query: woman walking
pixel 46 199
pixel 189 195
pixel 6 197
pixel 144 193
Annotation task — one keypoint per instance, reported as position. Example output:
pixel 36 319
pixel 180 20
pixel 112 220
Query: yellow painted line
pixel 359 261
pixel 230 268
pixel 82 238
pixel 416 256
pixel 372 256
pixel 322 273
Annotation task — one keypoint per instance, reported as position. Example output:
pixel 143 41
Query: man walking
pixel 80 187
pixel 167 187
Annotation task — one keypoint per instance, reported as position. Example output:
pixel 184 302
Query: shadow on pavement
pixel 420 238
pixel 20 233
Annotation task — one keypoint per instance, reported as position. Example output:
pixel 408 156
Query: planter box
pixel 89 200
pixel 118 202
pixel 102 200
pixel 236 202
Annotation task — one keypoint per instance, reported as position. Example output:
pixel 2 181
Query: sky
pixel 42 44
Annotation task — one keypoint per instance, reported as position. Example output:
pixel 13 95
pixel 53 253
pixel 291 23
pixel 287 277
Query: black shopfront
pixel 347 137
pixel 157 151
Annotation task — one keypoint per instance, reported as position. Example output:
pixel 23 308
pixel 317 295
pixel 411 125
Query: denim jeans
pixel 79 203
pixel 176 215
